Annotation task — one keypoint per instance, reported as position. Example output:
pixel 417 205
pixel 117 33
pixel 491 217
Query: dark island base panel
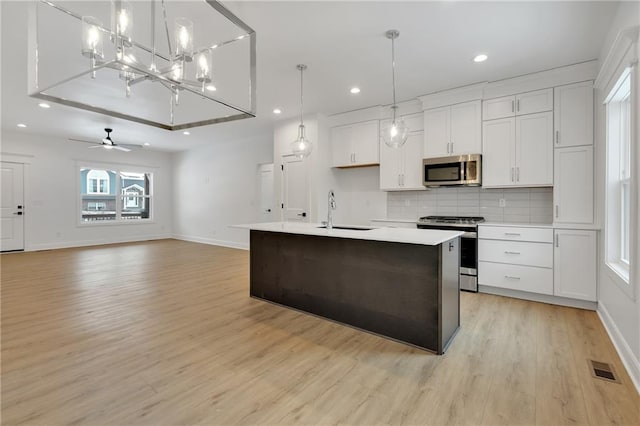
pixel 392 289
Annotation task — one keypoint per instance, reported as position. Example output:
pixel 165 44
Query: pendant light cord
pixel 393 75
pixel 301 96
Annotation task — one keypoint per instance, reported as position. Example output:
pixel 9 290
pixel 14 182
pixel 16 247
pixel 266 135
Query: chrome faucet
pixel 331 205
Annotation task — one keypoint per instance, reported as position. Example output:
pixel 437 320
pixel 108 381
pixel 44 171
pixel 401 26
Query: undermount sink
pixel 350 228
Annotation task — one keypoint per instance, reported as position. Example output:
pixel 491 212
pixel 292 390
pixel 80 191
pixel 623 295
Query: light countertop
pixel 428 237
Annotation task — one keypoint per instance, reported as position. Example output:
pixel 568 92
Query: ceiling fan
pixel 108 143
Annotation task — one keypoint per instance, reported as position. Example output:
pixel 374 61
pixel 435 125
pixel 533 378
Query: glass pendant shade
pixel 177 70
pixel 302 146
pixel 184 38
pixel 395 133
pixel 203 66
pixel 122 21
pixel 91 37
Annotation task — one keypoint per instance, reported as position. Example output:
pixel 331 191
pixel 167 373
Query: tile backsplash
pixel 519 205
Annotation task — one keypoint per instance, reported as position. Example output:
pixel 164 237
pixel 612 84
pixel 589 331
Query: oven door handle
pixel 469 235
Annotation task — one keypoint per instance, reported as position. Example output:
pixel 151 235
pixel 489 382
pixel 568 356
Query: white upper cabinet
pixel 498 152
pixel 575 263
pixel 573 112
pixel 355 144
pixel 453 130
pixel 466 128
pixel 415 122
pixel 437 127
pixel 534 151
pixel 520 104
pixel 533 102
pixel 401 168
pixel 518 151
pixel 573 185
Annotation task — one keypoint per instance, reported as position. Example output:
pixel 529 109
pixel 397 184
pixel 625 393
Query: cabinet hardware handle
pixel 509 277
pixel 512 174
pixel 512 107
pixel 399 180
pixel 402 179
pixel 518 105
pixel 557 208
pixel 515 234
pixel 557 241
pixel 448 150
pixel 512 252
pixel 518 174
pixel 557 137
pixel 452 147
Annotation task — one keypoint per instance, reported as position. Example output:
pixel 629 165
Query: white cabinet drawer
pixel 512 233
pixel 516 252
pixel 515 277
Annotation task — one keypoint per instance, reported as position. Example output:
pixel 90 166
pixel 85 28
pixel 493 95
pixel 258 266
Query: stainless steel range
pixel 468 244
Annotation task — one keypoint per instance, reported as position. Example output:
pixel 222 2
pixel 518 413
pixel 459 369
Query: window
pixel 618 194
pixel 114 195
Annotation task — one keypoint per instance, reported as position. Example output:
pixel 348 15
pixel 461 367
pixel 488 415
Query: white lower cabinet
pixel 575 261
pixel 516 258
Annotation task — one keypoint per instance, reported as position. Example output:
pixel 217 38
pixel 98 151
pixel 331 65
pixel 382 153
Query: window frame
pixel 617 175
pixel 119 197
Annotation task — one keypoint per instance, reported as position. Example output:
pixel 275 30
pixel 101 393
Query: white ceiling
pixel 343 44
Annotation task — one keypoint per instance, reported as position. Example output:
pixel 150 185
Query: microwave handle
pixel 463 171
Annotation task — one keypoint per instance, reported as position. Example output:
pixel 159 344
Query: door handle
pixel 557 137
pixel 509 277
pixel 512 170
pixel 19 207
pixel 512 107
pixel 557 241
pixel 517 174
pixel 512 252
pixel 268 210
pixel 18 213
pixel 303 214
pixel 518 105
pixel 514 234
pixel 451 147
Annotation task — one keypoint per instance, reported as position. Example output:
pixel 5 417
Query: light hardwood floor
pixel 164 332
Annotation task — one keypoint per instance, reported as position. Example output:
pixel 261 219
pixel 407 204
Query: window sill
pixel 619 272
pixel 116 223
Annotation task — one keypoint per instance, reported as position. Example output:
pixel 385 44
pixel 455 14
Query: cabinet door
pixel 573 111
pixel 415 122
pixel 574 270
pixel 573 185
pixel 364 143
pixel 341 152
pixel 499 108
pixel 437 124
pixel 466 128
pixel 390 162
pixel 534 149
pixel 498 152
pixel 412 162
pixel 533 102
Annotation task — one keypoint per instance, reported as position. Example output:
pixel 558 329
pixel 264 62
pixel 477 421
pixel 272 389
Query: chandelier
pixel 171 65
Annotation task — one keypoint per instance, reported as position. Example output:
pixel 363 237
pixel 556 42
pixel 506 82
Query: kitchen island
pixel 399 283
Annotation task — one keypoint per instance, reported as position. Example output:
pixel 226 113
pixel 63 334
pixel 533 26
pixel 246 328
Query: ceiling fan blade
pixel 95 146
pixel 131 145
pixel 121 148
pixel 85 141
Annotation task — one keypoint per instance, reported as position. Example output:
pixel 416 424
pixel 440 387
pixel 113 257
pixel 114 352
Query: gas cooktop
pixel 451 220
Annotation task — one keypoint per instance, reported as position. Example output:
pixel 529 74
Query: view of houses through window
pixel 619 116
pixel 114 195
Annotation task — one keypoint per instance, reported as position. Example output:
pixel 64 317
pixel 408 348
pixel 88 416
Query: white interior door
pixel 12 207
pixel 295 189
pixel 265 176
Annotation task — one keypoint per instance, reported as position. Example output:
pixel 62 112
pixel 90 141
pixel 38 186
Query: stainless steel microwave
pixel 451 171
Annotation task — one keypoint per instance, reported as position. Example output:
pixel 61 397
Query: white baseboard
pixel 98 242
pixel 630 361
pixel 543 298
pixel 213 242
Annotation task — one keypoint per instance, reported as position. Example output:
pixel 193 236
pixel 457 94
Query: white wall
pixel 217 186
pixel 619 311
pixel 357 190
pixel 51 191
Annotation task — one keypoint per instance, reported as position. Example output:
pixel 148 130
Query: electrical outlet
pixel 502 202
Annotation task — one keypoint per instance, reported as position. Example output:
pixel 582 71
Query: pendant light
pixel 302 146
pixel 396 132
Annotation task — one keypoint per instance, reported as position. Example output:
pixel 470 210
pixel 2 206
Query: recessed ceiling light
pixel 480 58
pixel 146 144
pixel 277 111
pixel 211 88
pixel 355 90
pixel 21 125
pixel 186 133
pixel 44 105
